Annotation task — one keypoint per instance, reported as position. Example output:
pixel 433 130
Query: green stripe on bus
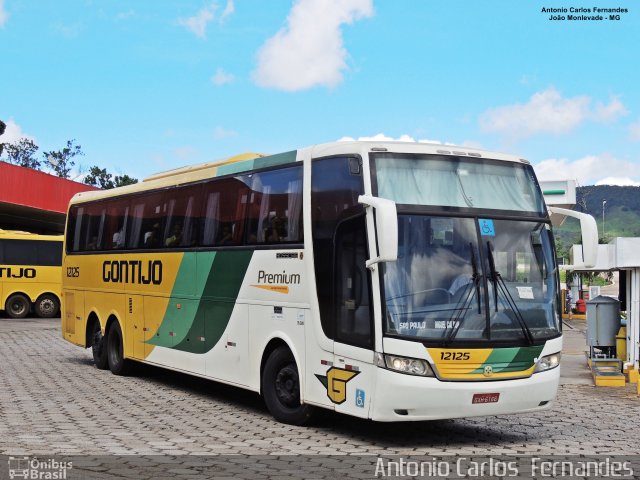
pixel 219 295
pixel 237 167
pixel 258 163
pixel 179 320
pixel 274 160
pixel 514 359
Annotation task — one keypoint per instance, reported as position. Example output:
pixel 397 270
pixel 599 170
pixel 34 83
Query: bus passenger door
pixel 354 370
pixel 346 371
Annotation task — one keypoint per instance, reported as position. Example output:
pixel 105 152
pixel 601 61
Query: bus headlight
pixel 548 362
pixel 410 366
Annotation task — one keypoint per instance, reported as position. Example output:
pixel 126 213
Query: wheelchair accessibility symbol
pixel 486 227
pixel 359 398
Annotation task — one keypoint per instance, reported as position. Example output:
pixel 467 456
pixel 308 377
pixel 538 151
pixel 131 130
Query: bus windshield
pixel 472 280
pixel 463 182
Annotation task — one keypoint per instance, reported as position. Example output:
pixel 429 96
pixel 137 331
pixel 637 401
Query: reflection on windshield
pixel 457 182
pixel 442 287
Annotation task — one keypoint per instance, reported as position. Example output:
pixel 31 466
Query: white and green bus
pixel 391 281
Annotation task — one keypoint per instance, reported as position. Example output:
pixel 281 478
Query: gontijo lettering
pixel 8 272
pixel 132 271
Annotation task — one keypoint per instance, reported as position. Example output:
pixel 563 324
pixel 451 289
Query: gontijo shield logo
pixel 336 383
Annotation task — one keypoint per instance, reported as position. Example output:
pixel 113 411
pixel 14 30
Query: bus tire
pixel 115 351
pixel 47 306
pixel 17 306
pixel 99 347
pixel 281 389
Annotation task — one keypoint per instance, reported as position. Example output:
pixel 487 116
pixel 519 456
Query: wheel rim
pixel 17 307
pixel 47 306
pixel 287 386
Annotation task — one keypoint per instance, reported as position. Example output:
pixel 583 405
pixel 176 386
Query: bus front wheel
pixel 115 351
pixel 47 306
pixel 281 388
pixel 17 306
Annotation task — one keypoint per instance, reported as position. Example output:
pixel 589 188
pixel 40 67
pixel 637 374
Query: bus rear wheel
pixel 115 351
pixel 47 306
pixel 281 389
pixel 17 306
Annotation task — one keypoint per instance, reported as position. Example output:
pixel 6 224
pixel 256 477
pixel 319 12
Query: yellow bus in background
pixel 30 273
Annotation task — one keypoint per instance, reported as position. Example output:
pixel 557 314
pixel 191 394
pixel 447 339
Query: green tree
pixel 99 177
pixel 61 161
pixel 122 180
pixel 22 153
pixel 3 127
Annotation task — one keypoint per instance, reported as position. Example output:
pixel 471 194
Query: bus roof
pixel 250 161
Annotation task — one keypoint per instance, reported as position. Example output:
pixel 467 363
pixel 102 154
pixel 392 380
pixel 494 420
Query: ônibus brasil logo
pixel 34 468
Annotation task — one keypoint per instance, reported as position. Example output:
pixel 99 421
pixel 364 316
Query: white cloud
pixel 125 15
pixel 185 153
pixel 68 30
pixel 634 131
pixel 4 16
pixel 228 10
pixel 611 112
pixel 381 137
pixel 527 79
pixel 13 133
pixel 587 170
pixel 219 133
pixel 622 181
pixel 198 23
pixel 548 112
pixel 309 51
pixel 221 78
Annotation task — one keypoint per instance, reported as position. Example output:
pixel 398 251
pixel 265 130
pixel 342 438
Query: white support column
pixel 633 316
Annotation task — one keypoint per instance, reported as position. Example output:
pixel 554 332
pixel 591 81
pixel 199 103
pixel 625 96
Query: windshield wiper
pixel 499 283
pixel 460 310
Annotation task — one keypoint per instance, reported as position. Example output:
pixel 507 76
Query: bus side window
pixel 183 211
pixel 275 210
pixel 223 212
pixel 146 220
pixel 116 224
pixel 91 227
pixel 20 252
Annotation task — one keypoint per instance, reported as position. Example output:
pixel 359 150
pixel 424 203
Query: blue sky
pixel 145 85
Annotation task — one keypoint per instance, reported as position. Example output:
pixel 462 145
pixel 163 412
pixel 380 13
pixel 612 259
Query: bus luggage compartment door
pixel 135 326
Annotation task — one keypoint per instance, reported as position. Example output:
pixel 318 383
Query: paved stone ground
pixel 53 401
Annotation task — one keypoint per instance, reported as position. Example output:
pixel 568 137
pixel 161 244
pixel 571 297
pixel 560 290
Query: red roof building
pixel 34 201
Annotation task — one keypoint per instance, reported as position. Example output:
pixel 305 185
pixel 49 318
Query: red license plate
pixel 485 398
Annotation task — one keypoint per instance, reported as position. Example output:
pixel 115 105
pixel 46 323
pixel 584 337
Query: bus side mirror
pixel 386 228
pixel 589 230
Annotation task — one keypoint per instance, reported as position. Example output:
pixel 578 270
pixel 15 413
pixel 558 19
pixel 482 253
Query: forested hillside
pixel 621 214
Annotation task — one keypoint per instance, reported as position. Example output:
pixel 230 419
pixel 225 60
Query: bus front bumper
pixel 400 397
